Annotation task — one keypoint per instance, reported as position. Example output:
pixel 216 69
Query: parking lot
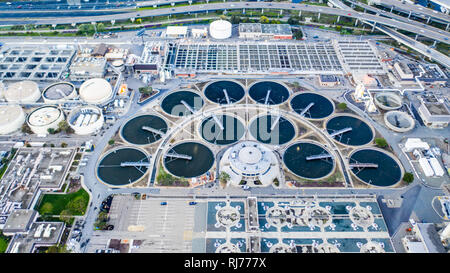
pixel 161 228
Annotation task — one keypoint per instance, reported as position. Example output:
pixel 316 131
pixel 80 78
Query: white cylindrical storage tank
pixel 59 92
pixel 85 120
pixel 12 118
pixel 96 91
pixel 220 29
pixel 44 118
pixel 119 65
pixel 23 92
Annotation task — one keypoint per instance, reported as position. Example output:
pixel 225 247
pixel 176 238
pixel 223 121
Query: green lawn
pixel 72 203
pixel 4 241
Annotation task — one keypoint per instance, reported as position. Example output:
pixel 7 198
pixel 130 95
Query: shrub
pixel 408 178
pixel 342 106
pixel 381 142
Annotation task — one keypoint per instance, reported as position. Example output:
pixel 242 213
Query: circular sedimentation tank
pixel 110 171
pixel 321 108
pixel 12 118
pixel 387 173
pixel 23 92
pixel 173 104
pixel 360 134
pixel 44 118
pixel 232 131
pixel 261 130
pixel 96 91
pixel 144 129
pixel 278 92
pixel 224 92
pixel 59 92
pixel 295 159
pixel 399 121
pixel 200 161
pixel 388 100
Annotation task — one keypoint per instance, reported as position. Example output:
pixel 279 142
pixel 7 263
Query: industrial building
pixel 35 63
pixel 40 234
pixel 426 238
pixel 83 68
pixel 265 31
pixel 434 111
pixel 360 57
pixel 96 91
pixel 86 120
pixel 31 171
pixel 23 92
pixel 12 118
pixel 59 92
pixel 403 71
pixel 176 32
pixel 44 118
pixel 328 80
pixel 251 162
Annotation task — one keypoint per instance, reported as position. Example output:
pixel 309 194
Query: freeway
pixel 416 10
pixel 398 18
pixel 443 37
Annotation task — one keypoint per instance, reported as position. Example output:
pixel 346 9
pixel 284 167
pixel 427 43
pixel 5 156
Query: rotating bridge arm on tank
pixel 226 96
pixel 340 132
pixel 176 155
pixel 306 109
pixel 320 156
pixel 187 106
pixel 153 130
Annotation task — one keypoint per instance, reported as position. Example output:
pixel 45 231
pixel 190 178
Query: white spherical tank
pixel 23 92
pixel 44 118
pixel 220 29
pixel 59 92
pixel 96 91
pixel 85 120
pixel 12 118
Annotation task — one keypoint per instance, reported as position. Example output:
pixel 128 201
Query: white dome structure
pixel 44 118
pixel 12 118
pixel 23 92
pixel 250 161
pixel 85 120
pixel 96 91
pixel 59 92
pixel 220 29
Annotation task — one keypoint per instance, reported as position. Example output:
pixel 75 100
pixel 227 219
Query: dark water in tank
pixel 214 92
pixel 232 132
pixel 202 160
pixel 172 105
pixel 359 135
pixel 132 131
pixel 322 106
pixel 295 159
pixel 388 172
pixel 282 133
pixel 110 171
pixel 278 93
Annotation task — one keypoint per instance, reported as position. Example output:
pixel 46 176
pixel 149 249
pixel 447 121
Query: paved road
pixel 228 6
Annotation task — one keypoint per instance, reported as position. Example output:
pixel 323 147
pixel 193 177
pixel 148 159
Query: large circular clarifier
pixel 349 130
pixel 308 160
pixel 388 100
pixel 264 130
pixel 181 103
pixel 267 92
pixel 110 171
pixel 232 131
pixel 224 92
pixel 313 106
pixel 399 121
pixel 145 129
pixel 188 159
pixel 385 172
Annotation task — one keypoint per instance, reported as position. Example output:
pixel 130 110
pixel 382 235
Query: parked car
pixel 163 203
pixel 192 203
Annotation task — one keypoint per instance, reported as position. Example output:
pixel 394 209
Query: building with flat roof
pixel 328 80
pixel 434 112
pixel 41 234
pixel 19 221
pixel 424 239
pixel 84 68
pixel 265 31
pixel 176 31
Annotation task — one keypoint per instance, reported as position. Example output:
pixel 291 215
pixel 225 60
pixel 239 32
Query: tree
pixel 26 129
pixel 65 216
pixel 235 19
pixel 147 90
pixel 139 21
pixel 57 249
pixel 63 125
pixel 77 205
pixel 293 20
pixel 342 106
pixel 51 131
pixel 111 142
pixel 408 178
pixel 381 142
pixel 46 208
pixel 298 34
pixel 64 145
pixel 263 20
pixel 224 177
